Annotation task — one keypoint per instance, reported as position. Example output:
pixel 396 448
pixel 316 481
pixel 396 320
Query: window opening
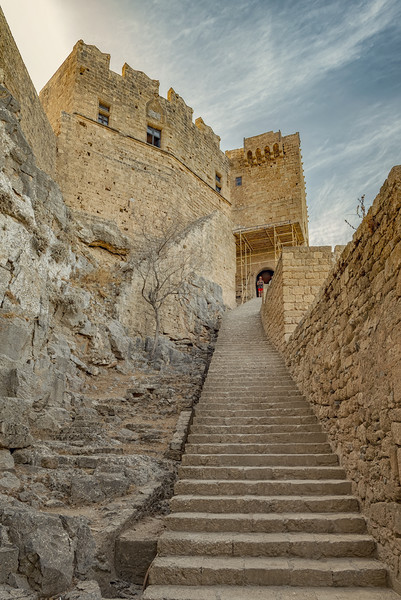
pixel 218 183
pixel 103 114
pixel 238 181
pixel 153 136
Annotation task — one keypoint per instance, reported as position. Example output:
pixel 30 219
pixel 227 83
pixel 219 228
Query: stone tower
pixel 268 204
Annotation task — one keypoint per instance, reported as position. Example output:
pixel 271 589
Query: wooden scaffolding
pixel 263 240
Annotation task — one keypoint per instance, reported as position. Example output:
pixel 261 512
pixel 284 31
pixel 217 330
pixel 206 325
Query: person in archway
pixel 259 285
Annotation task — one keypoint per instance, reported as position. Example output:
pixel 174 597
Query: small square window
pixel 103 119
pixel 218 189
pixel 103 114
pixel 153 136
pixel 238 181
pixel 218 178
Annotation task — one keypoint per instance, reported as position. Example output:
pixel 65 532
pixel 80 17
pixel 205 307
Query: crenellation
pixel 134 104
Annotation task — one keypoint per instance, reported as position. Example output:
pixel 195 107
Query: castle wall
pixel 141 187
pixel 84 80
pixel 34 123
pixel 273 188
pixel 112 172
pixel 345 355
pixel 299 275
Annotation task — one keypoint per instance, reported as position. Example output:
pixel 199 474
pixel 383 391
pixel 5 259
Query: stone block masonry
pixel 268 204
pixel 299 276
pixel 85 85
pixel 15 77
pixel 345 355
pixel 272 186
pixel 115 172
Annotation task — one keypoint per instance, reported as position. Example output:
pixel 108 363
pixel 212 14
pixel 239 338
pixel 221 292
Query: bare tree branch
pixel 360 211
pixel 162 270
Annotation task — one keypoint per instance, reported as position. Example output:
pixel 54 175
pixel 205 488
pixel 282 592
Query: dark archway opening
pixel 266 275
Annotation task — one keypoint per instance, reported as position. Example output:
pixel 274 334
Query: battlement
pixel 130 103
pixel 265 147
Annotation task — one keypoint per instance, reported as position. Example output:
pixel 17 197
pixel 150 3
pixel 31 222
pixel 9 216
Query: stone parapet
pixel 345 355
pixel 297 280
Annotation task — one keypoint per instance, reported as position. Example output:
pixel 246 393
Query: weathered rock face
pixel 85 421
pixel 49 547
pixel 345 355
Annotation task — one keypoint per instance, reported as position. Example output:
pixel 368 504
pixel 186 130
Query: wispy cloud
pixel 330 70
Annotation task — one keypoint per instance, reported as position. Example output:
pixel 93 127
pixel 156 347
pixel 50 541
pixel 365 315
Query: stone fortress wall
pixel 109 171
pixel 345 355
pixel 15 77
pixel 113 173
pixel 300 273
pixel 345 351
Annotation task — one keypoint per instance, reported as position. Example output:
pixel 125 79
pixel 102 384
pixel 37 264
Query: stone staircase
pixel 262 510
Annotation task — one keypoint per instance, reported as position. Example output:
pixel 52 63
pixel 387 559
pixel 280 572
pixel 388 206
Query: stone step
pixel 261 473
pixel 253 379
pixel 247 420
pixel 257 412
pixel 236 592
pixel 300 544
pixel 248 392
pixel 238 383
pixel 246 429
pixel 254 404
pixel 251 487
pixel 203 428
pixel 250 397
pixel 212 570
pixel 269 523
pixel 259 460
pixel 263 504
pixel 278 448
pixel 258 438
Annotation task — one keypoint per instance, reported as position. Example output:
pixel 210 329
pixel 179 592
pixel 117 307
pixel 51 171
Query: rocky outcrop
pixel 85 421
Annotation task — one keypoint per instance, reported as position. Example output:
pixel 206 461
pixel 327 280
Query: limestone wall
pixel 346 356
pixel 85 79
pixel 114 174
pixel 34 123
pixel 298 277
pixel 272 312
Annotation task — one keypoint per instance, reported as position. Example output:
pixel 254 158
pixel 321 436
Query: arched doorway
pixel 266 275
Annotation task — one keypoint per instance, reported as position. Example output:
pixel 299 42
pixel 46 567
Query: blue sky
pixel 330 69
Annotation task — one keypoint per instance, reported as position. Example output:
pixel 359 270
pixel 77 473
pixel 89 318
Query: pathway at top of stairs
pixel 262 509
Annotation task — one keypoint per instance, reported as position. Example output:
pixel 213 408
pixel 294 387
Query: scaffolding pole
pixel 245 256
